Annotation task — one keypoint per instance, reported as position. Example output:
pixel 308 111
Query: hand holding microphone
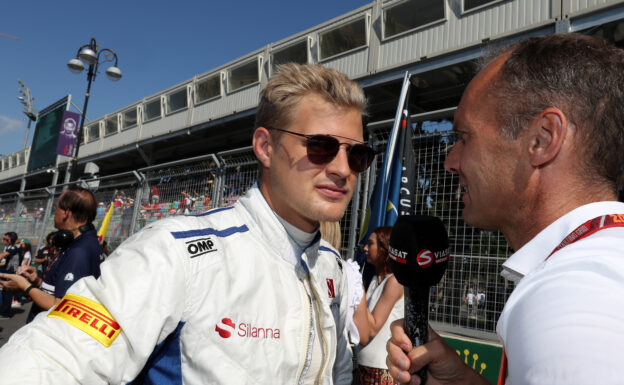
pixel 419 252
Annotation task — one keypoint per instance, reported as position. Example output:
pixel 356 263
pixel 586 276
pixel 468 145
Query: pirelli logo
pixel 88 316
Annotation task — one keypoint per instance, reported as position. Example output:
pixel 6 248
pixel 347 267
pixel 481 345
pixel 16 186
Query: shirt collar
pixel 532 254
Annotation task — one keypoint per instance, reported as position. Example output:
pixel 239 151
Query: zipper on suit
pixel 309 331
pixel 324 348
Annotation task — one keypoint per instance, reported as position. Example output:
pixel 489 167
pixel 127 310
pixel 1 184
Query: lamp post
pixel 90 55
pixel 29 109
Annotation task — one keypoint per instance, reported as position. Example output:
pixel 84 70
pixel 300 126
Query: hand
pixel 444 365
pixel 28 272
pixel 13 282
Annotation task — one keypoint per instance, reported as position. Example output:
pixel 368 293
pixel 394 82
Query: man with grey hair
pixel 540 158
pixel 247 294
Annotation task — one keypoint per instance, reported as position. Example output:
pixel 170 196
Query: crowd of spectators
pixel 16 256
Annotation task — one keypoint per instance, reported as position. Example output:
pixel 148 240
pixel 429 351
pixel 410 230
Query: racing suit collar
pixel 269 225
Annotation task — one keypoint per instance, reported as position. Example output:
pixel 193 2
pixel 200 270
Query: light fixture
pixel 75 66
pixel 88 55
pixel 113 73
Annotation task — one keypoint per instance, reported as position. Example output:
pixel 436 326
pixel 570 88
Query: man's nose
pixel 340 164
pixel 451 163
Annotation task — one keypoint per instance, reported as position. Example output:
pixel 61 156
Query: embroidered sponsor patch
pixel 200 246
pixel 88 316
pixel 330 288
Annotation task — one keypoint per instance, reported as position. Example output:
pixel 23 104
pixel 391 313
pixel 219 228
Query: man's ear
pixel 263 146
pixel 66 214
pixel 547 135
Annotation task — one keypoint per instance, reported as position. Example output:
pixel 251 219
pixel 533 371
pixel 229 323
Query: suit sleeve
pixel 141 291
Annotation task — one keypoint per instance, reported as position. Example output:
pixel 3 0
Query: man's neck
pixel 547 209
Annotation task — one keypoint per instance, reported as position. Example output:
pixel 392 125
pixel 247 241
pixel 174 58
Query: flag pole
pixel 397 122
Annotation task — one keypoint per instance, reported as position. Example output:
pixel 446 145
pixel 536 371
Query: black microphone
pixel 419 252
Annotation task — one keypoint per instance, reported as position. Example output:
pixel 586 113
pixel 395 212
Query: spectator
pixel 9 262
pixel 27 252
pixel 155 199
pixel 75 212
pixel 45 254
pixel 384 298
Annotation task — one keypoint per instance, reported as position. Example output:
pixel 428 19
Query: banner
pixel 67 135
pixel 393 194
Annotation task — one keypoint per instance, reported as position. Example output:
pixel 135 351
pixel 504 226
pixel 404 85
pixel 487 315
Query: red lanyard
pixel 590 227
pixel 586 229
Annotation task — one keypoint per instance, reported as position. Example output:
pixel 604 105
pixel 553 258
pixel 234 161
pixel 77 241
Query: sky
pixel 159 44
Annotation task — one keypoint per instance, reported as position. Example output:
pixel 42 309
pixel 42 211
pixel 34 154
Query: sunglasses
pixel 322 149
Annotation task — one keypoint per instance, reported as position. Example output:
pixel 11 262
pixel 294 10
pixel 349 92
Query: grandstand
pixel 185 149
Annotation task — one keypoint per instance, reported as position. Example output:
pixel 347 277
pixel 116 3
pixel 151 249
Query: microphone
pixel 419 253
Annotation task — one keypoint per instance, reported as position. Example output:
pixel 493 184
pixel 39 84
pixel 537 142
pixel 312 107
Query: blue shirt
pixel 81 259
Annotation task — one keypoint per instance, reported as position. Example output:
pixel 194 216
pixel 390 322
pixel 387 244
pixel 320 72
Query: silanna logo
pixel 330 288
pixel 199 247
pixel 227 327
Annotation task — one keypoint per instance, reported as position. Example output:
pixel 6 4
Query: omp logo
pixel 225 328
pixel 199 247
pixel 330 288
pixel 424 258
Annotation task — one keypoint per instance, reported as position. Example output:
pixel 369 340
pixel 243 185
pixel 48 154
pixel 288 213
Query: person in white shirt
pixel 383 304
pixel 540 158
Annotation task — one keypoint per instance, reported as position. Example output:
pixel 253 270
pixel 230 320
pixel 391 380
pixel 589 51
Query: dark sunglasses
pixel 322 149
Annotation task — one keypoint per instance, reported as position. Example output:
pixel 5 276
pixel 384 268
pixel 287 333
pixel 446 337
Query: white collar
pixel 533 253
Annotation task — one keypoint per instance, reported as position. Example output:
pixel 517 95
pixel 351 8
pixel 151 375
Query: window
pixel 242 76
pixel 342 39
pixel 176 101
pixel 152 110
pixel 93 132
pixel 111 126
pixel 469 5
pixel 208 88
pixel 130 118
pixel 296 53
pixel 411 14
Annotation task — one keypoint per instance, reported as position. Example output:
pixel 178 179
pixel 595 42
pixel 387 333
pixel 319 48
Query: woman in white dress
pixel 384 300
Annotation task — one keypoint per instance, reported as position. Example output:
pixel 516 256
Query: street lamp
pixel 90 55
pixel 29 109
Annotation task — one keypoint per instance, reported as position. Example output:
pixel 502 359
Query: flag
pixel 393 194
pixel 104 227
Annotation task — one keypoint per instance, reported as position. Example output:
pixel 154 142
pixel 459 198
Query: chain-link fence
pixel 468 300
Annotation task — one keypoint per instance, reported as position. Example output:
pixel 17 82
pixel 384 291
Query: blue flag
pixel 393 194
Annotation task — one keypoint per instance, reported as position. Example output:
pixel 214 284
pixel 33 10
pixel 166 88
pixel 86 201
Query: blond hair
pixel 330 231
pixel 281 95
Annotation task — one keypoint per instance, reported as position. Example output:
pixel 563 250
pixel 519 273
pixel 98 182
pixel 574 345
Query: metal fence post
pixel 216 183
pixel 355 203
pixel 137 200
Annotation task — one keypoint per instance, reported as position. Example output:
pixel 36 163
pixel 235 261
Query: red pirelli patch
pixel 88 316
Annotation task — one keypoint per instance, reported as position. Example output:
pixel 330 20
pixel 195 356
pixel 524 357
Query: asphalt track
pixel 9 326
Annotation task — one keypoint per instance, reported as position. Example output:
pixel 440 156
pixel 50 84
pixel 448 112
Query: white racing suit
pixel 208 299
